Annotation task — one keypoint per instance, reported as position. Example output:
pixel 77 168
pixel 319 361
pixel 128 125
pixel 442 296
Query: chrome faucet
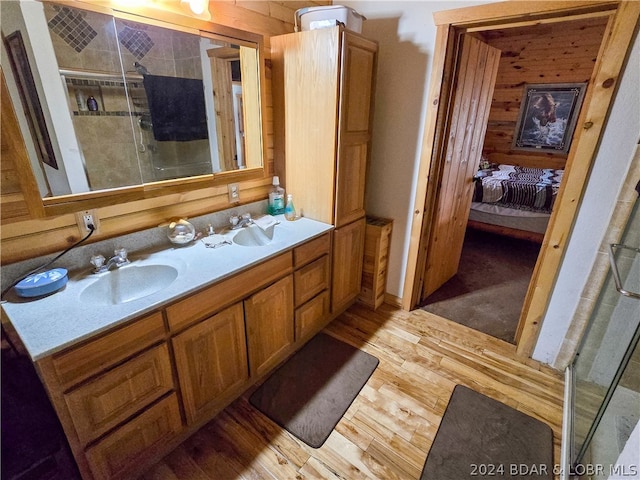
pixel 119 259
pixel 240 221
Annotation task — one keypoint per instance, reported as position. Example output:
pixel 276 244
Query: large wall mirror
pixel 120 106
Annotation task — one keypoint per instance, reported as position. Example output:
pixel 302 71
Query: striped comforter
pixel 519 187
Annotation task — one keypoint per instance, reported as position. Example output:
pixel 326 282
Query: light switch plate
pixel 234 192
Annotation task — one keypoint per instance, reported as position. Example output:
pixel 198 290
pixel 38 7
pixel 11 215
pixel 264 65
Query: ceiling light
pixel 198 7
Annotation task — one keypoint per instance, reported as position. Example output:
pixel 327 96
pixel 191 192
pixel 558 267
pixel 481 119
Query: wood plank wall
pixel 553 53
pixel 22 237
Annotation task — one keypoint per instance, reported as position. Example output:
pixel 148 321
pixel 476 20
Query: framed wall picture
pixel 29 97
pixel 548 115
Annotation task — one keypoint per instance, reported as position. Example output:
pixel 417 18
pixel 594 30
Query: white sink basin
pixel 254 236
pixel 128 283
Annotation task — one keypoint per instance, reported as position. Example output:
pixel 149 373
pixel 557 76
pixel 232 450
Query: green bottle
pixel 276 198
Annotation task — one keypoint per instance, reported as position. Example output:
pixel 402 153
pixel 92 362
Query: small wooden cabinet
pixel 211 359
pixel 377 241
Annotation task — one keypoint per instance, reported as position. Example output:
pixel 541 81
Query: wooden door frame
pixel 623 21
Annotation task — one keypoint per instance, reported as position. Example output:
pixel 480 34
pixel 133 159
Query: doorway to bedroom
pixel 483 251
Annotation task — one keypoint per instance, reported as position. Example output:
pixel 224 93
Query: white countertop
pixel 54 322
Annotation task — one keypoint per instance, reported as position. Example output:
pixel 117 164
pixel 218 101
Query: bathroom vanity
pixel 131 379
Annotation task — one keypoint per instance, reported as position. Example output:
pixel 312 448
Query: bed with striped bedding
pixel 518 187
pixel 514 201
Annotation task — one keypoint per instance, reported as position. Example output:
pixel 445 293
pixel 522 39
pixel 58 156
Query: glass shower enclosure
pixel 605 374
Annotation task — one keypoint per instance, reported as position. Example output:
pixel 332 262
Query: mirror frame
pixel 177 20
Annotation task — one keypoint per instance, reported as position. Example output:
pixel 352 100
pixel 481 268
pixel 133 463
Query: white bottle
pixel 276 198
pixel 81 100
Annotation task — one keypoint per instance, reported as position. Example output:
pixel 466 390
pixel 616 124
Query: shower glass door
pixel 606 370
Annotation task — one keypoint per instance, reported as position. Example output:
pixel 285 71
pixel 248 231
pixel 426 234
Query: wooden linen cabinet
pixel 324 83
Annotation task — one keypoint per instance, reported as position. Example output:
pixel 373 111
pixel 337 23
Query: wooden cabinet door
pixel 211 359
pixel 348 251
pixel 101 404
pixel 355 125
pixel 269 320
pixel 121 453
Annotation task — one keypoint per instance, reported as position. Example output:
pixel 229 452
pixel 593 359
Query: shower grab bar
pixel 97 75
pixel 614 269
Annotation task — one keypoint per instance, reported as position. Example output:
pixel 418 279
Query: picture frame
pixel 548 116
pixel 29 97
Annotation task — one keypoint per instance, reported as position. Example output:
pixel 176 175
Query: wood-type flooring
pixel 389 428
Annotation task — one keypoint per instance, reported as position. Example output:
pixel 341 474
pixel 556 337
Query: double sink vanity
pixel 137 358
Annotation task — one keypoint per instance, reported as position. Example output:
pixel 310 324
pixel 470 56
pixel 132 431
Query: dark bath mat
pixel 482 438
pixel 310 393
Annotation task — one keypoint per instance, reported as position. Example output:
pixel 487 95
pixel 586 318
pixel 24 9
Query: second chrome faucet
pixel 119 259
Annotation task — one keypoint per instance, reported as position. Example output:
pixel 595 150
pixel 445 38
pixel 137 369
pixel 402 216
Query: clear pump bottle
pixel 290 209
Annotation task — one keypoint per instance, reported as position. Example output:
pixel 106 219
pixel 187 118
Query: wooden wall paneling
pixel 552 53
pixel 23 237
pixel 30 238
pixel 268 18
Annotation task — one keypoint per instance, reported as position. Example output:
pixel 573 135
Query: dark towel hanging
pixel 177 108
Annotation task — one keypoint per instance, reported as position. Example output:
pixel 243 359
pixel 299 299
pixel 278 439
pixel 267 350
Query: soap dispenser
pixel 290 209
pixel 276 198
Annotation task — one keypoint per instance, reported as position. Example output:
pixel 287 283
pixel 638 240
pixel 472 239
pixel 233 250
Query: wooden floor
pixel 388 430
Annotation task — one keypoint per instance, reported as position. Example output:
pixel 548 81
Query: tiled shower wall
pixel 117 150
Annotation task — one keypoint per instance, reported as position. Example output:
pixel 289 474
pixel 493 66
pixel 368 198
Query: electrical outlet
pixel 234 192
pixel 86 218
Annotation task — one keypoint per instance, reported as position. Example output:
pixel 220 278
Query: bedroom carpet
pixel 480 437
pixel 488 291
pixel 310 393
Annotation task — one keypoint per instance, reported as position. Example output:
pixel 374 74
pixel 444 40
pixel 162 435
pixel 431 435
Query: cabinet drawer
pixel 226 292
pixel 311 250
pixel 311 280
pixel 79 363
pixel 134 443
pixel 101 404
pixel 311 317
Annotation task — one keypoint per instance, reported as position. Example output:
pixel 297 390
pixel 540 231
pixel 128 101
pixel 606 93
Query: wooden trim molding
pixel 617 39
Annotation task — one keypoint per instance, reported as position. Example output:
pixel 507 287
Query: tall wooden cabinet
pixel 323 90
